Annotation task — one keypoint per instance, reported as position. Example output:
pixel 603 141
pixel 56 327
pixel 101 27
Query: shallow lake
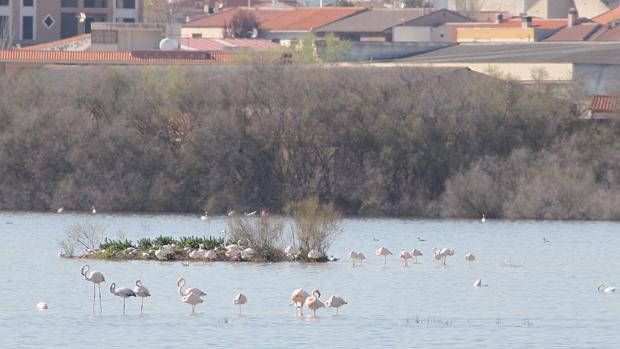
pixel 539 294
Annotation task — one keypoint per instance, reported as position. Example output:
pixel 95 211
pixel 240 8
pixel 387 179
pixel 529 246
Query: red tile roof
pixel 107 57
pixel 607 17
pixel 306 19
pixel 580 32
pixel 224 44
pixel 220 19
pixel 606 34
pixel 605 104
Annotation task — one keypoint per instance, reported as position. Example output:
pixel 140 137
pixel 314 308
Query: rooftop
pixel 373 21
pixel 228 44
pixel 604 104
pixel 579 32
pixel 103 57
pixel 607 17
pixel 306 19
pixel 516 22
pixel 220 19
pixel 537 52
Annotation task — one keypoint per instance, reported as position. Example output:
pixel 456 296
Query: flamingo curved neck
pixel 84 270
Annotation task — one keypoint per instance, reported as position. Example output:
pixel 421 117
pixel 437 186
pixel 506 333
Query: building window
pixel 68 3
pixel 127 4
pixel 104 37
pixel 28 3
pixel 27 28
pixel 95 3
pixel 4 2
pixel 196 36
pixel 48 21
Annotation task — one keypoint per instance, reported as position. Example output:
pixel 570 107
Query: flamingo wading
pixel 191 296
pixel 141 292
pixel 96 278
pixel 122 292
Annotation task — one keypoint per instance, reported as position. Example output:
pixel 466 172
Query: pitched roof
pixel 306 19
pixel 373 21
pixel 580 32
pixel 536 52
pixel 108 57
pixel 604 104
pixel 203 44
pixel 606 34
pixel 607 17
pixel 52 45
pixel 220 19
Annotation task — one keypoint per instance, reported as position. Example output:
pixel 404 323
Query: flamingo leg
pixel 123 305
pixel 93 297
pixel 100 308
pixel 193 308
pixel 385 261
pixel 239 309
pixel 142 305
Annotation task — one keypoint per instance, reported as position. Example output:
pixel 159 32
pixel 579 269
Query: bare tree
pixel 242 25
pixel 6 39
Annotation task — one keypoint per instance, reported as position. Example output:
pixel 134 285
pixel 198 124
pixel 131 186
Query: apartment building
pixel 28 22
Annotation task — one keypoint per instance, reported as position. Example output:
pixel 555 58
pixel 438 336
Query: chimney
pixel 526 22
pixel 499 17
pixel 572 16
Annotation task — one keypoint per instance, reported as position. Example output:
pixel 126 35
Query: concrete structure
pixel 111 36
pixel 379 51
pixel 524 29
pixel 214 26
pixel 595 65
pixel 380 25
pixel 602 28
pixel 39 21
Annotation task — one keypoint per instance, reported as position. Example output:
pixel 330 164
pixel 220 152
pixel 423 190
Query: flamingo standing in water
pixel 122 292
pixel 240 299
pixel 314 254
pixel 191 296
pixel 298 299
pixel 335 302
pixel 61 209
pixel 483 219
pixel 96 278
pixel 416 253
pixel 406 256
pixel 470 258
pixel 141 292
pixel 383 252
pixel 313 303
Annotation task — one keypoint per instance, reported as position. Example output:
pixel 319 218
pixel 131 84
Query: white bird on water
pixel 141 292
pixel 483 219
pixel 383 252
pixel 41 306
pixel 298 299
pixel 96 278
pixel 205 216
pixel 61 209
pixel 93 210
pixel 478 283
pixel 191 296
pixel 313 303
pixel 240 299
pixel 602 288
pixel 335 302
pixel 122 292
pixel 250 214
pixel 470 258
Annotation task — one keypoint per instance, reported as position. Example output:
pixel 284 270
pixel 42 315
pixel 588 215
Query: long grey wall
pixel 376 51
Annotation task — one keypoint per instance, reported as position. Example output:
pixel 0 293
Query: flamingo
pixel 383 252
pixel 141 292
pixel 211 255
pixel 416 253
pixel 478 283
pixel 335 302
pixel 96 278
pixel 248 254
pixel 406 256
pixel 601 287
pixel 291 251
pixel 470 258
pixel 122 292
pixel 191 296
pixel 199 253
pixel 61 209
pixel 314 254
pixel 298 299
pixel 483 219
pixel 313 303
pixel 240 299
pixel 353 255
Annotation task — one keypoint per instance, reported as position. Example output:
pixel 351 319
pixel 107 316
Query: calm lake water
pixel 550 300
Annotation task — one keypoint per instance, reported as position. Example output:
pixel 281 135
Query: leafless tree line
pixel 370 141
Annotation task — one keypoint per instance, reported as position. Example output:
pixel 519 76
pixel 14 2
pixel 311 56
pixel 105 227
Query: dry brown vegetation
pixel 397 142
